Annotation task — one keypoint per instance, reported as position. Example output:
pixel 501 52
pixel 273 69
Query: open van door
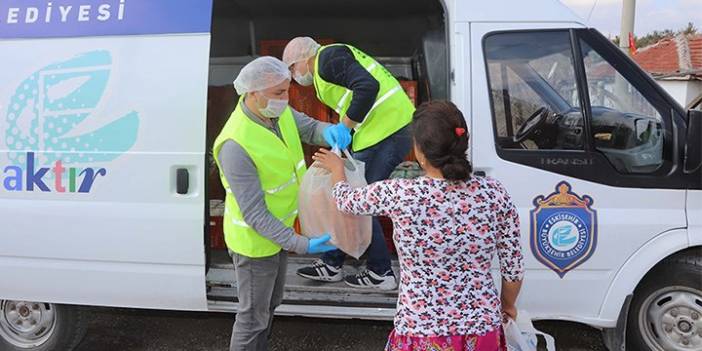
pixel 102 152
pixel 588 147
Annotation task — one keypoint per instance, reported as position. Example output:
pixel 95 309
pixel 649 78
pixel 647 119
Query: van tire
pixel 673 289
pixel 69 329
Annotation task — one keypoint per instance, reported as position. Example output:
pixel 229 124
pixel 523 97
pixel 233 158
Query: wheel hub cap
pixel 684 327
pixel 26 324
pixel 670 319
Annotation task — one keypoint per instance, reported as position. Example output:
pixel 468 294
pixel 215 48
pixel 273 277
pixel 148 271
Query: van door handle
pixel 603 136
pixel 182 181
pixel 480 173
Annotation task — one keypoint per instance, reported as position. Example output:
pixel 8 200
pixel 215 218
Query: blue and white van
pixel 104 158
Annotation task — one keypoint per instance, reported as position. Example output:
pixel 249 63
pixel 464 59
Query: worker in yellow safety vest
pixel 261 163
pixel 371 102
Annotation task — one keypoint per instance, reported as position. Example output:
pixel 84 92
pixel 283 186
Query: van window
pixel 626 127
pixel 534 92
pixel 570 102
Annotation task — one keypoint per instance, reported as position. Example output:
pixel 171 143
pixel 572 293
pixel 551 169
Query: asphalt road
pixel 136 330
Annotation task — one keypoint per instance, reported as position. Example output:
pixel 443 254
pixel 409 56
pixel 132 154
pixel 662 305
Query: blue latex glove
pixel 338 136
pixel 320 244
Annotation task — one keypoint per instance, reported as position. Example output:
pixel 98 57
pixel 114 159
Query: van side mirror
pixel 693 147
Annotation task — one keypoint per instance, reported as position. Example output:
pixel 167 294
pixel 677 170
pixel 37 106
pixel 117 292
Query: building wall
pixel 683 91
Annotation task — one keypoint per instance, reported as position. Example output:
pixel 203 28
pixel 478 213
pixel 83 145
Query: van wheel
pixel 37 326
pixel 666 312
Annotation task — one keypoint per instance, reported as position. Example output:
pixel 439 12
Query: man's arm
pixel 311 130
pixel 337 65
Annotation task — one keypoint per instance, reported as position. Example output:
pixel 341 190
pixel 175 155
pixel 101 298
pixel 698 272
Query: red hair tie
pixel 460 131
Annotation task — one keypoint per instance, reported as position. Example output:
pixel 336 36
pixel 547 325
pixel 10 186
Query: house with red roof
pixel 676 63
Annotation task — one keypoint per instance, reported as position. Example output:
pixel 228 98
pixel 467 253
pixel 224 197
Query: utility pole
pixel 621 86
pixel 628 14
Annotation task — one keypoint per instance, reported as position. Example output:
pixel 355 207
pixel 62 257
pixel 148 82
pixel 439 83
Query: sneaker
pixel 321 272
pixel 368 279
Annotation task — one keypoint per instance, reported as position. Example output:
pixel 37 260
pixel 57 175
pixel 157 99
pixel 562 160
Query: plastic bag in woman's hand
pixel 319 214
pixel 522 336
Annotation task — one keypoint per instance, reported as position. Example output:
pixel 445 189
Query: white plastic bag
pixel 319 214
pixel 521 335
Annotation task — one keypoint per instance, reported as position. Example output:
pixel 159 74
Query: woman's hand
pixel 332 163
pixel 508 298
pixel 509 312
pixel 329 161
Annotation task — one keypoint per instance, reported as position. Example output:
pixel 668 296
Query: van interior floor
pixel 221 288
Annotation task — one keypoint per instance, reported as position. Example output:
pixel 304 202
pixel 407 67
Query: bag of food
pixel 319 214
pixel 522 336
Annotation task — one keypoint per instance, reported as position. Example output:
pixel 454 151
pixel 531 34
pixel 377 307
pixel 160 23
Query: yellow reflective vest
pixel 280 165
pixel 391 111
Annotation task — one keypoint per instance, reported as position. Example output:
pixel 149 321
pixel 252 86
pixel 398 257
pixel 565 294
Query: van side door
pixel 102 138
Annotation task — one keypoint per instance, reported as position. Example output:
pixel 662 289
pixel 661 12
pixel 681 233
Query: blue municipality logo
pixel 563 229
pixel 45 126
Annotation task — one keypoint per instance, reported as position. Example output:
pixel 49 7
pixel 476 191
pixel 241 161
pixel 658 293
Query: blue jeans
pixel 381 160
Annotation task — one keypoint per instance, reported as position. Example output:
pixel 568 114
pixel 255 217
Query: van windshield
pixel 558 81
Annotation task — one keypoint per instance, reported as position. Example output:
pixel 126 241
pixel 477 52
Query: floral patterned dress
pixel 446 234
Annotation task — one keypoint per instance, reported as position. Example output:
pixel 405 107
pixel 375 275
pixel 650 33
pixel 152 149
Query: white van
pixel 104 159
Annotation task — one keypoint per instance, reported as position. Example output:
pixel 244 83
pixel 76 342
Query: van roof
pixel 512 11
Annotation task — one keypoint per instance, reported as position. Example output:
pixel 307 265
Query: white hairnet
pixel 260 74
pixel 298 49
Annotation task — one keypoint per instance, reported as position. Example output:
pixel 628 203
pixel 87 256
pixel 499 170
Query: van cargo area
pixel 409 37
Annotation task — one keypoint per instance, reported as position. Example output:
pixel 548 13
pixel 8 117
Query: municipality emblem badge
pixel 563 229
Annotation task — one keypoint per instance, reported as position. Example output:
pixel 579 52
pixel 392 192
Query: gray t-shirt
pixel 240 171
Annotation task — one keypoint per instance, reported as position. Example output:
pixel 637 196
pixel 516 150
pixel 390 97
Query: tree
pixel 653 37
pixel 656 35
pixel 690 29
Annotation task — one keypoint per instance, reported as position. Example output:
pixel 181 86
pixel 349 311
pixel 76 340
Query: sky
pixel 650 14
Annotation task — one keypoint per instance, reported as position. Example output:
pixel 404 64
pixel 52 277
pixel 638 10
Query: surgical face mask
pixel 306 79
pixel 274 108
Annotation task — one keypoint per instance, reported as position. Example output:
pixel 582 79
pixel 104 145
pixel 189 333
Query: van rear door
pixel 102 134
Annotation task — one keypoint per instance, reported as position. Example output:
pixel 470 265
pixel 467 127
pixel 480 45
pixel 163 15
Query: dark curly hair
pixel 441 134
